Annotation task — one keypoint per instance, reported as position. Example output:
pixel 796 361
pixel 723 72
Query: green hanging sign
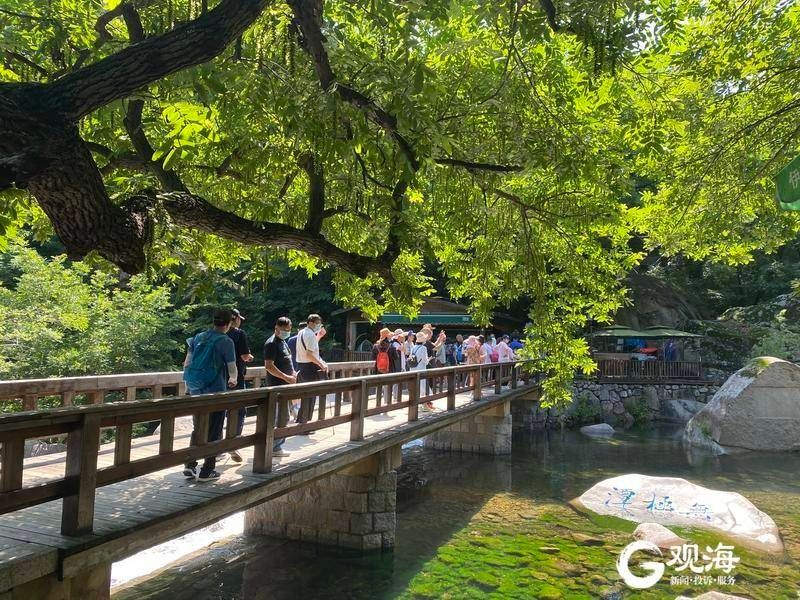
pixel 787 184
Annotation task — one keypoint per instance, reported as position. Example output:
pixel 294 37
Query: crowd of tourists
pixel 400 350
pixel 217 359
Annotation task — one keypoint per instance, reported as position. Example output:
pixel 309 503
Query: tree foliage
pixel 67 320
pixel 502 141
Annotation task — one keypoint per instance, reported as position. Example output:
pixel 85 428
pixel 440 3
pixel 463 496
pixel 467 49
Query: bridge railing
pixel 95 388
pixel 651 370
pixel 82 426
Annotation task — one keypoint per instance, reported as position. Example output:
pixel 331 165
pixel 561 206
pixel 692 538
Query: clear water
pixel 476 526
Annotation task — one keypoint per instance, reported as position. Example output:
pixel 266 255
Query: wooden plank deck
pixel 135 514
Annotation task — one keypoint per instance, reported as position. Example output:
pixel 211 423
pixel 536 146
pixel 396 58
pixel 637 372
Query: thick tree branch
pixel 478 166
pixel 550 13
pixel 188 210
pixel 308 17
pixel 316 192
pixel 132 68
pixel 168 179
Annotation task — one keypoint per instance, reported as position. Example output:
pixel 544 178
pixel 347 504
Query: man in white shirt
pixel 310 365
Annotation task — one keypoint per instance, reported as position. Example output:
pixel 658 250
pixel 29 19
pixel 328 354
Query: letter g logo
pixel 634 581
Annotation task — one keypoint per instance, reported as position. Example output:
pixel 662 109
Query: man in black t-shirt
pixel 241 347
pixel 278 363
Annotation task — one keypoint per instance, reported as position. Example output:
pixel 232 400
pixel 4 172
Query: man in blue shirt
pixel 210 367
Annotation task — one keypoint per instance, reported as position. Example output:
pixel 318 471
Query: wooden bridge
pixel 66 517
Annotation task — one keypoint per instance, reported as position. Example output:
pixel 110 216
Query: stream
pixel 471 526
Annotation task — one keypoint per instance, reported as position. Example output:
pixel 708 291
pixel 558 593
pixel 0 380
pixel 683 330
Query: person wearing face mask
pixel 278 363
pixel 310 365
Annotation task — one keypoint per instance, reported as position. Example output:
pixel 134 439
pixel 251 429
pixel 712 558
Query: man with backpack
pixel 385 354
pixel 386 358
pixel 210 367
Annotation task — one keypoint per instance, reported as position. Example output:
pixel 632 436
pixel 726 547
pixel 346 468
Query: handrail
pixel 609 369
pixel 82 425
pixel 95 387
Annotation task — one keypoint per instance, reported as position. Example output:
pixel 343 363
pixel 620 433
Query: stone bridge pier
pixel 488 432
pixel 353 508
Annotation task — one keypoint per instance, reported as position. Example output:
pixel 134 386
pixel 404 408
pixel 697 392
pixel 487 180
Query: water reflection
pixel 438 495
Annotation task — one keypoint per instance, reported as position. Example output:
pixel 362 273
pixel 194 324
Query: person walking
pixel 504 351
pixel 408 346
pixel 398 342
pixel 280 371
pixel 210 367
pixel 294 405
pixel 474 353
pixel 459 349
pixel 310 366
pixel 418 361
pixel 241 345
pixel 386 359
pixel 381 353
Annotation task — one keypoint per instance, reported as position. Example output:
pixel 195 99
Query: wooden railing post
pixel 358 412
pixel 29 402
pixel 498 379
pixel 167 436
pixel 83 444
pixel 67 398
pixel 231 423
pixel 451 390
pixel 476 383
pixel 201 423
pixel 122 444
pixel 265 430
pixel 13 453
pixel 413 397
pixel 514 376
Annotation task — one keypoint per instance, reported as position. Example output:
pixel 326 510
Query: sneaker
pixel 190 472
pixel 207 476
pixel 235 456
pixel 280 452
pixel 424 408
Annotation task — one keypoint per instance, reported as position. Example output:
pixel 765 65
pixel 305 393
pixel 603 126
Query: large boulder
pixel 757 408
pixel 680 410
pixel 599 430
pixel 675 501
pixel 657 534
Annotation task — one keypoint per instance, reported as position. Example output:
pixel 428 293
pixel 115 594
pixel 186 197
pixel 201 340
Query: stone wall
pixel 621 404
pixel 354 508
pixel 486 433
